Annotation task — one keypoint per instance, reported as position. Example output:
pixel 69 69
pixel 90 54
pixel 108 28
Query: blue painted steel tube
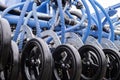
pixel 38 28
pixel 89 21
pixel 70 28
pixel 23 31
pixel 94 20
pixel 10 8
pixel 104 22
pixel 74 27
pixel 113 20
pixel 19 24
pixel 68 13
pixel 34 13
pixel 108 10
pixel 28 18
pixel 62 21
pixel 43 7
pixel 12 19
pixel 111 37
pixel 21 41
pixel 115 6
pixel 99 21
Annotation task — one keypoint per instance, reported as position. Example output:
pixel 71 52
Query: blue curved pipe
pixel 94 20
pixel 89 21
pixel 43 7
pixel 10 8
pixel 38 28
pixel 62 21
pixel 13 19
pixel 111 37
pixel 99 21
pixel 23 32
pixel 19 24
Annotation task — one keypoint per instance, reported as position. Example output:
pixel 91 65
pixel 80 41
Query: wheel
pixel 11 70
pixel 36 60
pixel 93 62
pixel 5 41
pixel 113 64
pixel 67 63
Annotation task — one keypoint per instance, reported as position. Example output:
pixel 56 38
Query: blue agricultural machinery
pixel 51 40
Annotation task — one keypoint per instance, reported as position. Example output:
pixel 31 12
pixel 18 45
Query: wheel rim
pixel 36 61
pixel 113 66
pixel 64 67
pixel 93 68
pixel 90 64
pixel 65 63
pixel 33 63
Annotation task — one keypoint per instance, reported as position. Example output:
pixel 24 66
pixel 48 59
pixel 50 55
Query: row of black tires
pixel 39 62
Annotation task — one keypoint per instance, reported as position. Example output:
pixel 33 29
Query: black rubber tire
pixel 5 41
pixel 93 62
pixel 11 71
pixel 113 55
pixel 74 61
pixel 43 56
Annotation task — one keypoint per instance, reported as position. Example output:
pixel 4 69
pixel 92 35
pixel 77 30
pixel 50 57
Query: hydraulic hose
pixel 21 41
pixel 18 12
pixel 10 8
pixel 62 21
pixel 99 21
pixel 14 12
pixel 21 20
pixel 94 20
pixel 86 34
pixel 38 28
pixel 41 17
pixel 23 32
pixel 71 27
pixel 111 37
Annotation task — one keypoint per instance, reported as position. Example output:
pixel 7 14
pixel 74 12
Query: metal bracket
pixel 93 41
pixel 108 44
pixel 74 39
pixel 50 33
